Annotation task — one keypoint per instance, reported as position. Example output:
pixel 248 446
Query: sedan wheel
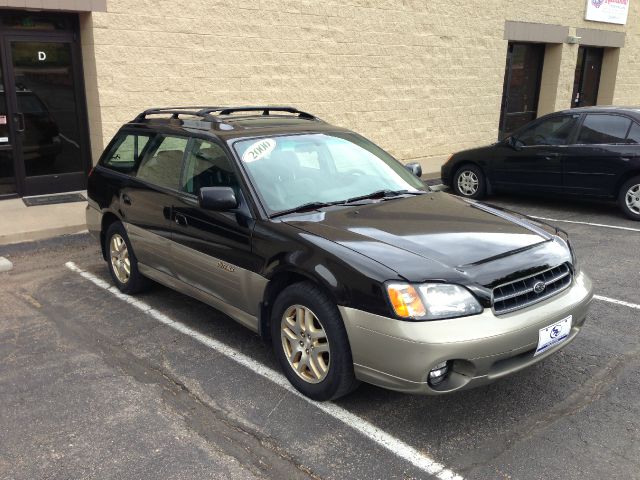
pixel 305 343
pixel 468 183
pixel 119 255
pixel 629 198
pixel 632 199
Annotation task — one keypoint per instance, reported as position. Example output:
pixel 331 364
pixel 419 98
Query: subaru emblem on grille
pixel 539 287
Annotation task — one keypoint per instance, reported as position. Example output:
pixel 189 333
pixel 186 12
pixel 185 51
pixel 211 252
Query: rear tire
pixel 470 182
pixel 311 344
pixel 629 198
pixel 122 261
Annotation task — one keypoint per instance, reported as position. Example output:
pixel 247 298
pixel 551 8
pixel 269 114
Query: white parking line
pixel 382 438
pixel 616 227
pixel 617 302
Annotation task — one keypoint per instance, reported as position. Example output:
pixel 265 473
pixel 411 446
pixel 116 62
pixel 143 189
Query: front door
pixel 521 90
pixel 45 109
pixel 533 160
pixel 587 77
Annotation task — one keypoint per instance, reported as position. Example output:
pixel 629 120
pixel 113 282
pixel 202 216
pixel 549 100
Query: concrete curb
pixel 32 235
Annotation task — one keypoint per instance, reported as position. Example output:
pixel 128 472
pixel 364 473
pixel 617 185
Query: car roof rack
pixel 207 113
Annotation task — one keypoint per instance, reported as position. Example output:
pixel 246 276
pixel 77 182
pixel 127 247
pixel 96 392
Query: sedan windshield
pixel 320 169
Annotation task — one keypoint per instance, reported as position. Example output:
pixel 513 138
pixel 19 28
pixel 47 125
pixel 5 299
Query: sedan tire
pixel 311 344
pixel 629 198
pixel 469 182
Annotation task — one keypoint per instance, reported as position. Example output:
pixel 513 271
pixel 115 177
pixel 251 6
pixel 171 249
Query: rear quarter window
pixel 125 153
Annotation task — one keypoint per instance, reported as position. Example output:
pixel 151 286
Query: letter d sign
pixel 42 56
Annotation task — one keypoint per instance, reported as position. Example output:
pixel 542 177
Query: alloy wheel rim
pixel 633 199
pixel 305 344
pixel 468 183
pixel 120 258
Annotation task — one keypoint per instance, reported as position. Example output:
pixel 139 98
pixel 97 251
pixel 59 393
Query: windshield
pixel 291 171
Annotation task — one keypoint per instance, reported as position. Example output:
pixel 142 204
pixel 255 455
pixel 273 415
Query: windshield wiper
pixel 305 207
pixel 384 194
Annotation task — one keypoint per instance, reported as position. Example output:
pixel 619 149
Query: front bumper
pixel 398 354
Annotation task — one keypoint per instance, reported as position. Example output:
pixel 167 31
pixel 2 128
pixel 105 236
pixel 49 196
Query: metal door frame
pixel 66 181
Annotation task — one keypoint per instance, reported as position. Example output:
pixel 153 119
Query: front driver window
pixel 207 166
pixel 552 131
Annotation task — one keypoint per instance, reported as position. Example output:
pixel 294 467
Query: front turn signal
pixel 406 301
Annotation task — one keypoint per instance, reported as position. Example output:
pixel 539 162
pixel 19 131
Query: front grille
pixel 522 293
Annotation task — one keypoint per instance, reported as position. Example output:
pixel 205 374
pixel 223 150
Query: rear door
pixel 536 163
pixel 211 249
pixel 602 151
pixel 147 199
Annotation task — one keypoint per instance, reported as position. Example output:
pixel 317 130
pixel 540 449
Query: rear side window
pixel 162 161
pixel 126 152
pixel 634 134
pixel 603 129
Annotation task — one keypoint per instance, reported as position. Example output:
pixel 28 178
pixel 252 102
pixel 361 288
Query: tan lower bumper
pixel 398 355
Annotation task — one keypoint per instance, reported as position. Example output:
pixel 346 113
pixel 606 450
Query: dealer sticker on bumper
pixel 553 335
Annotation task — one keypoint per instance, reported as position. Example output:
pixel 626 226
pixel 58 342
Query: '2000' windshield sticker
pixel 258 150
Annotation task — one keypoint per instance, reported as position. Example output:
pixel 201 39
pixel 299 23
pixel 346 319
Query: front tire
pixel 311 344
pixel 470 182
pixel 629 198
pixel 122 261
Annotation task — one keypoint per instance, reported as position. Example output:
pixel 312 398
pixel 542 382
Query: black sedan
pixel 583 152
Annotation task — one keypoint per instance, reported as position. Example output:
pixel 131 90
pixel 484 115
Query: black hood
pixel 422 235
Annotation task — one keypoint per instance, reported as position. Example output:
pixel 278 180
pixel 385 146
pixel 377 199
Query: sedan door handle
pixel 180 219
pixel 551 156
pixel 126 200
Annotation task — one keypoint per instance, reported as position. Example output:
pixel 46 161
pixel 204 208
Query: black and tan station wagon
pixel 325 245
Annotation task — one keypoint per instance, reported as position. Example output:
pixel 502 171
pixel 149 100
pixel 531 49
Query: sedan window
pixel 634 134
pixel 603 129
pixel 552 131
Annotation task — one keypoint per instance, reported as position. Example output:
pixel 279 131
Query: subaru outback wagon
pixel 325 245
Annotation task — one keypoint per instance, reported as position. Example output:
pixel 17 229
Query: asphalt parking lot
pixel 95 386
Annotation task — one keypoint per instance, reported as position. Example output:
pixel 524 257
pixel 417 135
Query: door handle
pixel 180 219
pixel 551 156
pixel 20 121
pixel 125 199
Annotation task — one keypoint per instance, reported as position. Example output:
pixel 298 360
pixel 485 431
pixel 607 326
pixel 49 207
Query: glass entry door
pixel 521 89
pixel 45 107
pixel 7 174
pixel 586 82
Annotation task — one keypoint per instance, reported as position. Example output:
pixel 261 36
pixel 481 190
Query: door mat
pixel 433 182
pixel 53 199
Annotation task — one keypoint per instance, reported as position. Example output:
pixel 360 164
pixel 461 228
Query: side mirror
pixel 514 143
pixel 414 168
pixel 217 198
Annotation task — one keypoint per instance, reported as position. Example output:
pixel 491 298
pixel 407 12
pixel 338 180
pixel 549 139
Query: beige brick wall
pixel 421 78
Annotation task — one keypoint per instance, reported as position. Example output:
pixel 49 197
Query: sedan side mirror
pixel 217 198
pixel 414 168
pixel 514 143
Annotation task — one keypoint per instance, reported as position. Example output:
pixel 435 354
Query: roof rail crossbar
pixel 265 110
pixel 175 111
pixel 206 112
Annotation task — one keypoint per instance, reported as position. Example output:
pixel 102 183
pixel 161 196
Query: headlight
pixel 432 301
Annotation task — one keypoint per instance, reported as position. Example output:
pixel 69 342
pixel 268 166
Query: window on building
pixel 552 131
pixel 603 129
pixel 162 163
pixel 126 152
pixel 207 166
